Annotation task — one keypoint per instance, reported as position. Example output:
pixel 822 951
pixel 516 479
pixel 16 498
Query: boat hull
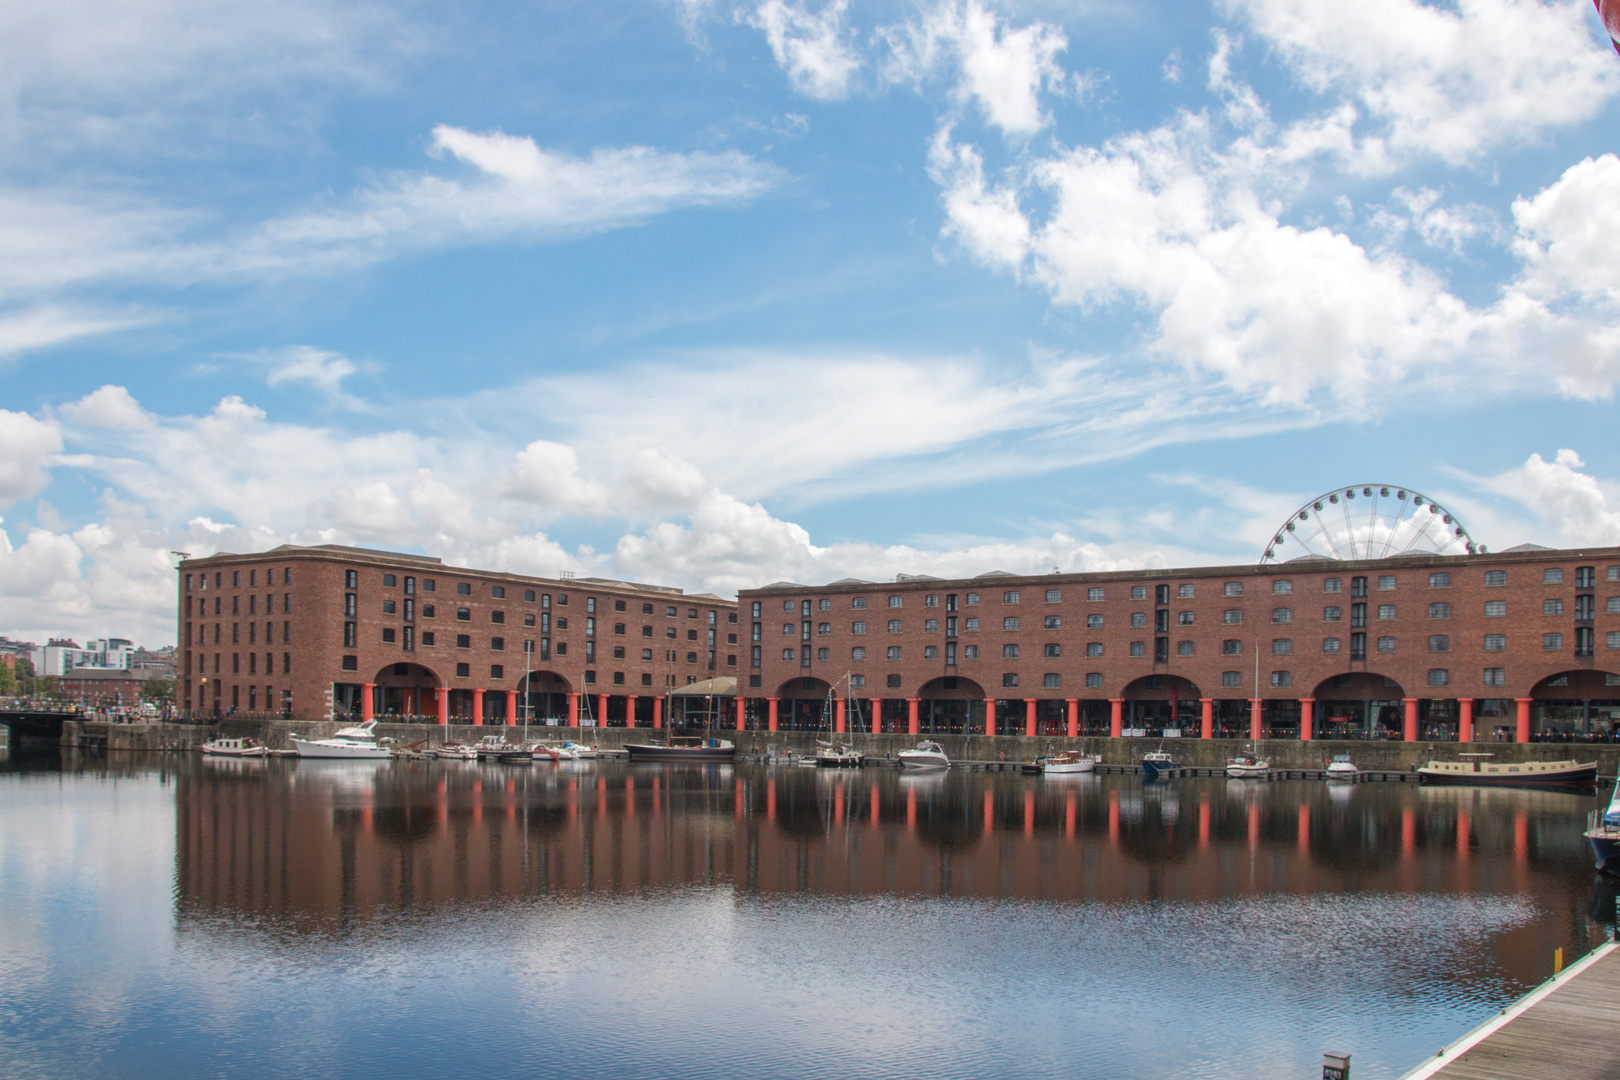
pixel 1346 775
pixel 910 759
pixel 648 752
pixel 245 752
pixel 315 748
pixel 1069 768
pixel 1247 772
pixel 1151 769
pixel 1605 849
pixel 1575 776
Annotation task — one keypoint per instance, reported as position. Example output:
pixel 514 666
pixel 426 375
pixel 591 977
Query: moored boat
pixel 453 751
pixel 1342 768
pixel 925 755
pixel 1476 771
pixel 240 748
pixel 683 749
pixel 838 756
pixel 1244 767
pixel 580 751
pixel 1068 763
pixel 1603 833
pixel 350 742
pixel 1155 762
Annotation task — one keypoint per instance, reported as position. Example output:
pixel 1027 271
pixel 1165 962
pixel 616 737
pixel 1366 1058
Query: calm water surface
pixel 176 918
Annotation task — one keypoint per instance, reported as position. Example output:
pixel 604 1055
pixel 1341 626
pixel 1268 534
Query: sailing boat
pixel 836 754
pixel 705 748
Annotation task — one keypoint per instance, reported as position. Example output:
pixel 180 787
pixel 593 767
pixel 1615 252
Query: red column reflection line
pixel 911 810
pixel 838 804
pixel 1029 814
pixel 1408 832
pixel 1203 822
pixel 1113 819
pixel 629 797
pixel 989 811
pixel 874 806
pixel 1464 831
pixel 1254 827
pixel 1068 815
pixel 657 794
pixel 1304 829
pixel 1521 837
pixel 770 800
pixel 737 799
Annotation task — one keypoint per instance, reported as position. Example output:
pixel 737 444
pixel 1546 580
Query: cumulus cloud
pixel 1571 504
pixel 663 480
pixel 27 446
pixel 320 369
pixel 998 68
pixel 811 46
pixel 547 473
pixel 1442 81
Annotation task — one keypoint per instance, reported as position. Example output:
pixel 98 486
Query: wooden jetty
pixel 1563 1030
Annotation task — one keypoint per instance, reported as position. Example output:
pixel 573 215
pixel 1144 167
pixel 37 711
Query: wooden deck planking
pixel 1568 1035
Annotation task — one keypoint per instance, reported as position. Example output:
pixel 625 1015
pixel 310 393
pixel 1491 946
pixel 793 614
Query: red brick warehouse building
pixel 312 632
pixel 1421 646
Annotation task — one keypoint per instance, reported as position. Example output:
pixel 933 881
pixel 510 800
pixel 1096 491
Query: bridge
pixel 38 722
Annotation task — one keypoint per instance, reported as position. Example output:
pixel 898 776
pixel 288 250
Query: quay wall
pixel 1203 753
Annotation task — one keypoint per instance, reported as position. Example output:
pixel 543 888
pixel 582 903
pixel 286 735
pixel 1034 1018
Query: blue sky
pixel 719 294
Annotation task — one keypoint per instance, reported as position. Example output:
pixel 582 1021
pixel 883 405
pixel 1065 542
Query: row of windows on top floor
pixel 1230 680
pixel 408 584
pixel 463 670
pixel 1585 608
pixel 1585 577
pixel 1582 641
pixel 407 610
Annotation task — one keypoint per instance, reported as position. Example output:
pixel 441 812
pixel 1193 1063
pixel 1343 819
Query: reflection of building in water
pixel 343 843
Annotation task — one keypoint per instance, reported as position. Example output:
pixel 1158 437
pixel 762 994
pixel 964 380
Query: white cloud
pixel 27 446
pixel 810 46
pixel 45 325
pixel 663 480
pixel 998 68
pixel 1567 233
pixel 111 407
pixel 1444 81
pixel 319 368
pixel 1572 505
pixel 989 223
pixel 548 473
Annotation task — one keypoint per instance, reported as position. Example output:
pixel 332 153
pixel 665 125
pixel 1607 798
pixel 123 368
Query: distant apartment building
pixel 62 655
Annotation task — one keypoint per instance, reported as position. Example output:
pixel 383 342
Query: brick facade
pixel 301 631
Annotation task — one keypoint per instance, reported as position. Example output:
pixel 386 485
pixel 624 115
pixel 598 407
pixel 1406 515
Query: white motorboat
pixel 349 742
pixel 452 751
pixel 1157 761
pixel 1070 763
pixel 239 748
pixel 925 755
pixel 1342 768
pixel 580 751
pixel 565 752
pixel 1244 767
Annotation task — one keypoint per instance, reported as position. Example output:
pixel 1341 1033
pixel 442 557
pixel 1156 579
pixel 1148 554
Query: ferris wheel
pixel 1369 521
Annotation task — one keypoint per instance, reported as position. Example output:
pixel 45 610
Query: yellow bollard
pixel 1558 960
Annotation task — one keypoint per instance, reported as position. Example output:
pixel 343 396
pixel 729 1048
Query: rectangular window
pixel 1330 614
pixel 1095 622
pixel 1495 609
pixel 1051 681
pixel 824 628
pixel 1234 588
pixel 1184 591
pixel 1552 607
pixel 1184 618
pixel 894 601
pixel 1282 588
pixel 388 635
pixel 1009 652
pixel 1095 593
pixel 427 638
pixel 1330 645
pixel 1053 649
pixel 1010 596
pixel 1612 574
pixel 1231 678
pixel 1439 643
pixel 351 663
pixel 789 655
pixel 1052 622
pixel 857 653
pixel 1010 622
pixel 1282 646
pixel 970 652
pixel 1358 586
pixel 894 626
pixel 1496 577
pixel 1386 611
pixel 1282 614
pixel 970 625
pixel 1495 676
pixel 1281 679
pixel 1138 648
pixel 1552 642
pixel 858 602
pixel 1138 592
pixel 1138 618
pixel 894 652
pixel 1053 595
pixel 1184 648
pixel 1232 616
pixel 1386 582
pixel 1009 679
pixel 1611 640
pixel 1386 644
pixel 1439 611
pixel 823 654
pixel 1439 676
pixel 463 641
pixel 1094 648
pixel 1232 647
pixel 1585 607
pixel 1093 680
pixel 1552 576
pixel 971 599
pixel 348 635
pixel 1439 581
pixel 1330 584
pixel 857 628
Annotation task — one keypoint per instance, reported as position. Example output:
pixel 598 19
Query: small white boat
pixel 925 755
pixel 240 748
pixel 452 751
pixel 349 742
pixel 1342 768
pixel 1244 767
pixel 580 751
pixel 1067 764
pixel 832 755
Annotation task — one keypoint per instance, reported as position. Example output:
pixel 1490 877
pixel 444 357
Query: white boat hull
pixel 1070 768
pixel 320 748
pixel 235 752
pixel 1248 772
pixel 911 759
pixel 1347 775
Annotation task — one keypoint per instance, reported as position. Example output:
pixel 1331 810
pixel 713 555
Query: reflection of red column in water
pixel 737 798
pixel 1304 829
pixel 838 804
pixel 874 806
pixel 1521 837
pixel 1203 823
pixel 911 810
pixel 511 800
pixel 1068 815
pixel 1408 831
pixel 770 800
pixel 573 799
pixel 1464 832
pixel 629 797
pixel 1113 818
pixel 1254 827
pixel 989 811
pixel 601 796
pixel 1029 814
pixel 478 802
pixel 657 795
pixel 444 804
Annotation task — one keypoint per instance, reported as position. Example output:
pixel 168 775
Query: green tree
pixel 159 692
pixel 8 680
